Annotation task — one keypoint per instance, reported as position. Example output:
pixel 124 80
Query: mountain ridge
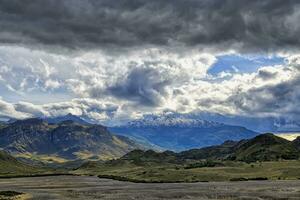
pixel 68 117
pixel 67 140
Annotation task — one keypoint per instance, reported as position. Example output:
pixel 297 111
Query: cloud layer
pixel 75 24
pixel 109 89
pixel 116 60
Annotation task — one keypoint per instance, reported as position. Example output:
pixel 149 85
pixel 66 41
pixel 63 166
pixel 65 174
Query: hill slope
pixel 179 134
pixel 36 139
pixel 9 166
pixel 264 147
pixel 296 142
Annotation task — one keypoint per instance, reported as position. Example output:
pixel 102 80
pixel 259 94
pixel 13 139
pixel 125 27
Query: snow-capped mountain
pixel 171 121
pixel 178 132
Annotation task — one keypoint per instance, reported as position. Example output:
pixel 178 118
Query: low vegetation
pixel 193 172
pixel 10 195
pixel 11 167
pixel 265 157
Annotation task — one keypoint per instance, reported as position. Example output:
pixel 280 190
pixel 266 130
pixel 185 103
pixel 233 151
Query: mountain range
pixel 178 133
pixel 258 124
pixel 66 140
pixel 70 137
pixel 232 160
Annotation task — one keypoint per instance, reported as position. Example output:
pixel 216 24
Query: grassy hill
pixel 139 156
pixel 296 143
pixel 213 152
pixel 9 166
pixel 125 170
pixel 265 147
pixel 263 157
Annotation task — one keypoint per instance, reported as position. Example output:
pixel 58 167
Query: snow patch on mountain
pixel 170 121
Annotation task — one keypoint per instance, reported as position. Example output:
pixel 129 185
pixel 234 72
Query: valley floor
pixel 91 187
pixel 166 172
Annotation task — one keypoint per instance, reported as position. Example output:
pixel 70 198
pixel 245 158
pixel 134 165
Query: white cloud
pixel 95 110
pixel 122 86
pixel 91 74
pixel 271 91
pixel 8 110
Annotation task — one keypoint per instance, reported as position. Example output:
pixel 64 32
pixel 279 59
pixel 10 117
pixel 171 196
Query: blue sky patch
pixel 243 64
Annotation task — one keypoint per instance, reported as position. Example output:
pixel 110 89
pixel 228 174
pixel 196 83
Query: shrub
pixel 9 193
pixel 203 164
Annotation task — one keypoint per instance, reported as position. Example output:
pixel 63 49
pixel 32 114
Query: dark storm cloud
pixel 239 24
pixel 145 86
pixel 282 98
pixel 265 74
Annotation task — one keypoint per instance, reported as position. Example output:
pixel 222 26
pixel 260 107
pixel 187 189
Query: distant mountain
pixel 68 117
pixel 169 121
pixel 178 133
pixel 258 124
pixel 68 140
pixel 265 147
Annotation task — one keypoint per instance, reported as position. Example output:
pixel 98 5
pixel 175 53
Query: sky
pixel 115 61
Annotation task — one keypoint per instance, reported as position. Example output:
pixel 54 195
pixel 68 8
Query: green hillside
pixel 265 147
pixel 296 143
pixel 197 171
pixel 263 157
pixel 9 166
pixel 213 152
